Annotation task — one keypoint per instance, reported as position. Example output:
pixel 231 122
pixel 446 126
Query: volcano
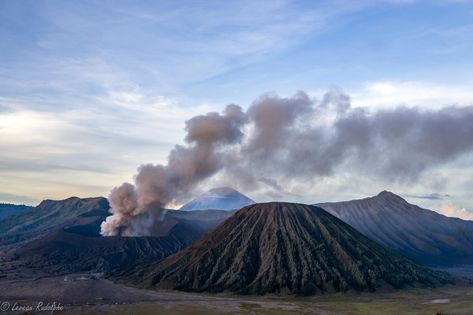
pixel 223 198
pixel 282 248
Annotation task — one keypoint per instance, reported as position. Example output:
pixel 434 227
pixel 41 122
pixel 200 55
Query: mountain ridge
pixel 47 216
pixel 423 235
pixel 11 209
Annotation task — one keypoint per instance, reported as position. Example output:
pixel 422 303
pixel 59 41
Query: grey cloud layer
pixel 295 137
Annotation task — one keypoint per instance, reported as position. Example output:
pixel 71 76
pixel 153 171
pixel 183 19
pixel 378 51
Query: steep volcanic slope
pixel 47 216
pixel 282 248
pixel 422 235
pixel 224 198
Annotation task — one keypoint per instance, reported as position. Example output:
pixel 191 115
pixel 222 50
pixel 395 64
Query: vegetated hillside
pixel 423 235
pixel 282 248
pixel 47 216
pixel 224 198
pixel 8 209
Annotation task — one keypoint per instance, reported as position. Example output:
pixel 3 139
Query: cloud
pixel 295 138
pixel 17 199
pixel 291 138
pixel 428 95
pixel 174 44
pixel 55 147
pixel 432 196
pixel 69 98
pixel 452 211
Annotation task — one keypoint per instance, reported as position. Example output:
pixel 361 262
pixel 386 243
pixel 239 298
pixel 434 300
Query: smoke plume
pixel 158 185
pixel 281 138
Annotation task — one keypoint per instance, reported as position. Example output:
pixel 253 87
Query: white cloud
pixel 86 109
pixel 85 151
pixel 452 211
pixel 412 93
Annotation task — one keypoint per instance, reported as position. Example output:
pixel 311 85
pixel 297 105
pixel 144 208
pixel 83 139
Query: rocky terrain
pixel 282 248
pixel 423 235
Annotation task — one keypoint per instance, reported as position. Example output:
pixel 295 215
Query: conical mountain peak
pixel 282 248
pixel 221 198
pixel 390 195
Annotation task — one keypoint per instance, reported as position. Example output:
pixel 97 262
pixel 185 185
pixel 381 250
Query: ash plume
pixel 155 186
pixel 298 137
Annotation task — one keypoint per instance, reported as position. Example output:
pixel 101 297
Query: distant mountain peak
pixel 221 198
pixel 387 195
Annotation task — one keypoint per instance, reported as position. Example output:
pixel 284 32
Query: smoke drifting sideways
pixel 288 138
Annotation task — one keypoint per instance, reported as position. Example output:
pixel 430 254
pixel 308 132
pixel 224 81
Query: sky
pixel 90 90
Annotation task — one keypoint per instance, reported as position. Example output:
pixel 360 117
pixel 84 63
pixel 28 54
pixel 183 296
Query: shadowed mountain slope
pixel 8 209
pixel 224 198
pixel 48 216
pixel 282 248
pixel 423 235
pixel 64 252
